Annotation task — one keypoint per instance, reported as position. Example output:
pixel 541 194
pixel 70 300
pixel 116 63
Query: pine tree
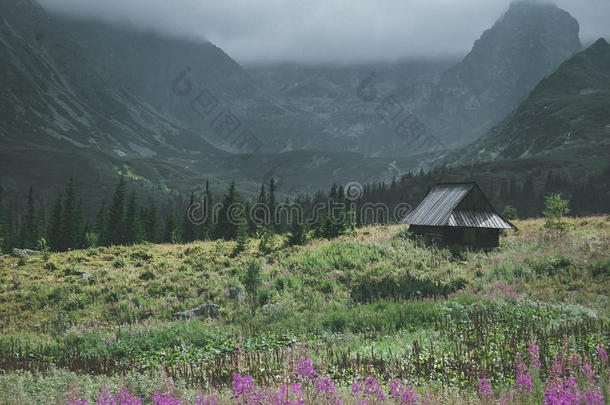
pixel 133 231
pixel 297 233
pixel 116 216
pixel 30 224
pixel 207 229
pixel 68 222
pixel 79 226
pixel 271 201
pixel 151 223
pixel 101 223
pixel 231 215
pixel 189 228
pixel 172 231
pixel 54 230
pixel 3 233
pixel 262 196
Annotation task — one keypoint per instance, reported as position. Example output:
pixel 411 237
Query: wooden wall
pixel 475 238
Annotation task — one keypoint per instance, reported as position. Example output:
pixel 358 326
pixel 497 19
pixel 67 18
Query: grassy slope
pixel 163 279
pixel 371 291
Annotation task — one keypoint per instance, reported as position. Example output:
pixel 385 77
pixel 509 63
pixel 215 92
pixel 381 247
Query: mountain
pixel 60 118
pixel 351 103
pixel 89 99
pixel 524 46
pixel 452 104
pixel 567 110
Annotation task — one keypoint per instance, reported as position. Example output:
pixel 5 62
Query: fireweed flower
pixel 305 368
pixel 562 392
pixel 485 390
pixel 602 354
pixel 203 400
pixel 284 396
pixel 325 389
pixel 534 356
pixel 242 385
pixel 372 387
pixel 165 399
pixel 588 373
pixel 370 390
pixel 594 397
pixel 507 399
pixel 523 383
pixel 556 367
pixel 120 398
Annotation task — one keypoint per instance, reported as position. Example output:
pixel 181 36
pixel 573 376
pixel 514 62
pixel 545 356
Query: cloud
pixel 325 30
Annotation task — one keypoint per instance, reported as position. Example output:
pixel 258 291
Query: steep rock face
pixel 570 108
pixel 54 124
pixel 528 43
pixel 170 74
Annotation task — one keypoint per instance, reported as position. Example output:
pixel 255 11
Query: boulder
pixel 85 275
pixel 235 292
pixel 25 252
pixel 208 310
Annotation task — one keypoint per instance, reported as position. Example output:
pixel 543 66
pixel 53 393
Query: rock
pixel 235 292
pixel 25 252
pixel 271 309
pixel 85 275
pixel 209 310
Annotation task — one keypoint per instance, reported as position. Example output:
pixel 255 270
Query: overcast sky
pixel 327 30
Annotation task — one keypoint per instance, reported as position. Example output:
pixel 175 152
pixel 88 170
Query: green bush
pixel 147 275
pixel 600 267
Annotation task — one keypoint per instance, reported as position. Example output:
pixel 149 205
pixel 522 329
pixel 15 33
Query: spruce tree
pixel 54 229
pixel 231 215
pixel 207 229
pixel 3 235
pixel 30 229
pixel 133 230
pixel 271 201
pixel 172 230
pixel 68 221
pixel 101 223
pixel 297 233
pixel 151 223
pixel 189 233
pixel 116 216
pixel 79 226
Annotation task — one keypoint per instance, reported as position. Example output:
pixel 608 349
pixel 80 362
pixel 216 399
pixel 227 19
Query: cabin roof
pixel 445 206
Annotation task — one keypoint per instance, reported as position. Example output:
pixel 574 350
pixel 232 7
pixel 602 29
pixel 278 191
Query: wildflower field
pixel 371 317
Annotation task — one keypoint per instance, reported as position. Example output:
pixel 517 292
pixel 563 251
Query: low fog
pixel 321 31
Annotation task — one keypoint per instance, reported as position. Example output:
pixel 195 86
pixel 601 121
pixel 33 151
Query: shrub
pixel 600 267
pixel 509 212
pixel 252 281
pixel 555 208
pixel 328 286
pixel 147 275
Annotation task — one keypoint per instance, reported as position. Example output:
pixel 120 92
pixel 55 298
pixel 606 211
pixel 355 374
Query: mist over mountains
pixel 93 98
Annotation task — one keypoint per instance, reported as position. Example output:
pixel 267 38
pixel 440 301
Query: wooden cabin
pixel 458 214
